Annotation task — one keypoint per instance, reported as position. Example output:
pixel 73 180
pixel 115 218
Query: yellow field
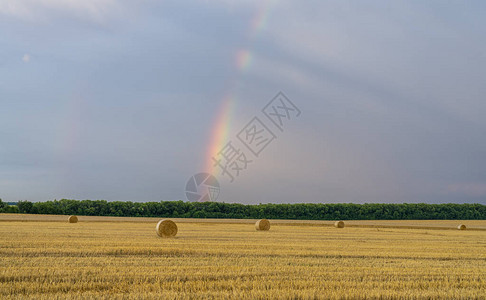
pixel 123 258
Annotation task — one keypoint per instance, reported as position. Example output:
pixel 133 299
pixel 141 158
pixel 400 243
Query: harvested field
pixel 99 257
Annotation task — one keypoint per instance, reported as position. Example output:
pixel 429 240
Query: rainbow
pixel 261 17
pixel 219 134
pixel 243 59
pixel 70 129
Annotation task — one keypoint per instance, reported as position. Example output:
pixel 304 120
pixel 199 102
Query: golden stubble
pixel 127 260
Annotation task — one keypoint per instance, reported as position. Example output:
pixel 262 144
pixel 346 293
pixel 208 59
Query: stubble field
pixel 44 257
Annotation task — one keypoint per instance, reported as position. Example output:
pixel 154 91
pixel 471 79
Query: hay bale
pixel 166 228
pixel 262 225
pixel 339 224
pixel 461 227
pixel 73 219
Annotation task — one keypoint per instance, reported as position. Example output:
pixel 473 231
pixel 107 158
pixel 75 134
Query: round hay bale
pixel 73 219
pixel 461 227
pixel 262 225
pixel 166 228
pixel 339 224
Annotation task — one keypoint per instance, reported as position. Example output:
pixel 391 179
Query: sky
pixel 383 101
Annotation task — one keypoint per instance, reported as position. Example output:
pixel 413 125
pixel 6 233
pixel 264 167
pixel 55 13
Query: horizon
pixel 223 202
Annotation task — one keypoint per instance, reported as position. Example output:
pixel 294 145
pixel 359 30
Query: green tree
pixel 3 206
pixel 26 207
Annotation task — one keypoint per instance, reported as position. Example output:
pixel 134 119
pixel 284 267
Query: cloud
pixel 469 189
pixel 33 10
pixel 386 94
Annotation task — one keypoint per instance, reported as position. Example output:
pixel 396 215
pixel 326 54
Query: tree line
pixel 308 211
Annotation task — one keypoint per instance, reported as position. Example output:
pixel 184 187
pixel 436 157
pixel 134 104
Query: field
pixel 44 257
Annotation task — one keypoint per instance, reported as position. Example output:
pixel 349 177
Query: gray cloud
pixel 121 99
